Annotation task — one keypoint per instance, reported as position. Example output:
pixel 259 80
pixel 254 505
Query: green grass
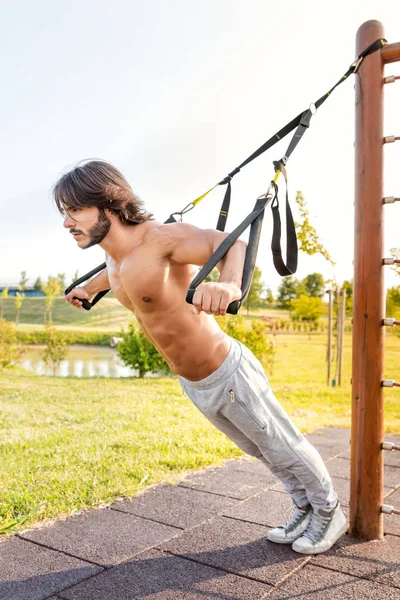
pixel 70 444
pixel 108 314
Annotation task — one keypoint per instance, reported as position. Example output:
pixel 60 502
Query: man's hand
pixel 78 292
pixel 214 298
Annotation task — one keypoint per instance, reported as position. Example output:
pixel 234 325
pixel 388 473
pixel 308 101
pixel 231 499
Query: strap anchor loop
pixel 356 64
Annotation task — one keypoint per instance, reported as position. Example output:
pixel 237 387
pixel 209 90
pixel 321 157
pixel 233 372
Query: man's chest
pixel 142 282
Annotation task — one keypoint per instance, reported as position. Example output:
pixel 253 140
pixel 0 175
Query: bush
pixel 256 338
pixel 138 352
pixel 91 338
pixel 10 352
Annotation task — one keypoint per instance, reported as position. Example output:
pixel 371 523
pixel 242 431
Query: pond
pixel 81 361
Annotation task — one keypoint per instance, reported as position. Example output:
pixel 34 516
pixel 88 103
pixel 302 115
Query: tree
pixel 308 309
pixel 253 300
pixel 257 338
pixel 268 296
pixel 348 286
pixel 61 278
pixel 18 303
pixel 3 296
pixel 395 253
pixel 10 352
pixel 393 301
pixel 55 350
pixel 307 236
pixel 51 290
pixel 38 285
pixel 19 296
pixel 138 352
pixel 23 281
pixel 288 290
pixel 314 285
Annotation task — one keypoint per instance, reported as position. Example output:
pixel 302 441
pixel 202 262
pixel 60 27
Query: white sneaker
pixel 293 528
pixel 324 529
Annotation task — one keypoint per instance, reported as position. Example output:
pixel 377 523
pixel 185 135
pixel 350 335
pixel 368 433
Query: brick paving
pixel 205 539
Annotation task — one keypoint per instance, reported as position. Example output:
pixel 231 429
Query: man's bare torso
pixel 193 345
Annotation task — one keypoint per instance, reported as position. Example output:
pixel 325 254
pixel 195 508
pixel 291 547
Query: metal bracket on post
pixel 389 446
pixel 390 200
pixel 391 79
pixel 391 261
pixel 389 383
pixel 389 510
pixel 390 322
pixel 390 139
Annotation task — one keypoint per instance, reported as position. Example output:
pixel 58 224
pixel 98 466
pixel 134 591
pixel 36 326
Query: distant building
pixel 28 292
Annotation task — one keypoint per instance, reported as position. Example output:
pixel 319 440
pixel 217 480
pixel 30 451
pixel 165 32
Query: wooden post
pixel 329 352
pixel 342 320
pixel 366 486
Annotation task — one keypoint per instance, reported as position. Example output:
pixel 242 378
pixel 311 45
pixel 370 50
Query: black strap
pixel 223 215
pixel 302 121
pixel 290 266
pixel 255 220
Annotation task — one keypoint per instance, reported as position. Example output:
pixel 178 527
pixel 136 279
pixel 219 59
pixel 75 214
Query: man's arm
pixel 86 292
pixel 187 244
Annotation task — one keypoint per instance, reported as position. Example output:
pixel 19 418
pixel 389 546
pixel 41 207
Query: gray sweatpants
pixel 238 400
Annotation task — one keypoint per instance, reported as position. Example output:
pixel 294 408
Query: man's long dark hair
pixel 97 183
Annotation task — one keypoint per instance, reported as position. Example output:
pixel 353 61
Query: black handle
pixel 85 303
pixel 233 307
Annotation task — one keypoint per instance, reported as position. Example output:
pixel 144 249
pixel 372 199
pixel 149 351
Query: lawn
pixel 69 444
pixel 109 314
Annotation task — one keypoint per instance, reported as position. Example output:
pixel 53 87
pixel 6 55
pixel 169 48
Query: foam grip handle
pixel 233 307
pixel 85 303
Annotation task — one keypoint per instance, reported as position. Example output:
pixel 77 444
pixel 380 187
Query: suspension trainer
pixel 254 219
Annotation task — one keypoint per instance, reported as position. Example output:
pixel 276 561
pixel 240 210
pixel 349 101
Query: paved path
pixel 205 539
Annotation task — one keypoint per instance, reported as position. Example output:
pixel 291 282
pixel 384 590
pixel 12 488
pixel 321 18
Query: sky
pixel 175 94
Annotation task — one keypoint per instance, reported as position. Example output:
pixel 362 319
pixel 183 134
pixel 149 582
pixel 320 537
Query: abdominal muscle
pixel 194 346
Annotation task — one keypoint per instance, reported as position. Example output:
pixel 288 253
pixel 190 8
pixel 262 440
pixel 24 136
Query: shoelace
pixel 316 527
pixel 294 518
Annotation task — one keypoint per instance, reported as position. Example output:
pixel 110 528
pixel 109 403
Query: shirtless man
pixel 149 269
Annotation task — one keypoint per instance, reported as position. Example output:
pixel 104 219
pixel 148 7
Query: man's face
pixel 89 226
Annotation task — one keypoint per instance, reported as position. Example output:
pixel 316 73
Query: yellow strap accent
pixel 275 179
pixel 204 195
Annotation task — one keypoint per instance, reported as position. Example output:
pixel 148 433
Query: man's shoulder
pixel 162 235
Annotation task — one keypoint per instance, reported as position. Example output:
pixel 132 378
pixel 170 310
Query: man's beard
pixel 99 230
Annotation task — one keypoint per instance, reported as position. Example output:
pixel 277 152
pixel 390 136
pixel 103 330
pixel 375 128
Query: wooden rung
pixel 391 52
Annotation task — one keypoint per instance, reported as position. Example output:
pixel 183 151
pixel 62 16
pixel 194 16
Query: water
pixel 81 361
